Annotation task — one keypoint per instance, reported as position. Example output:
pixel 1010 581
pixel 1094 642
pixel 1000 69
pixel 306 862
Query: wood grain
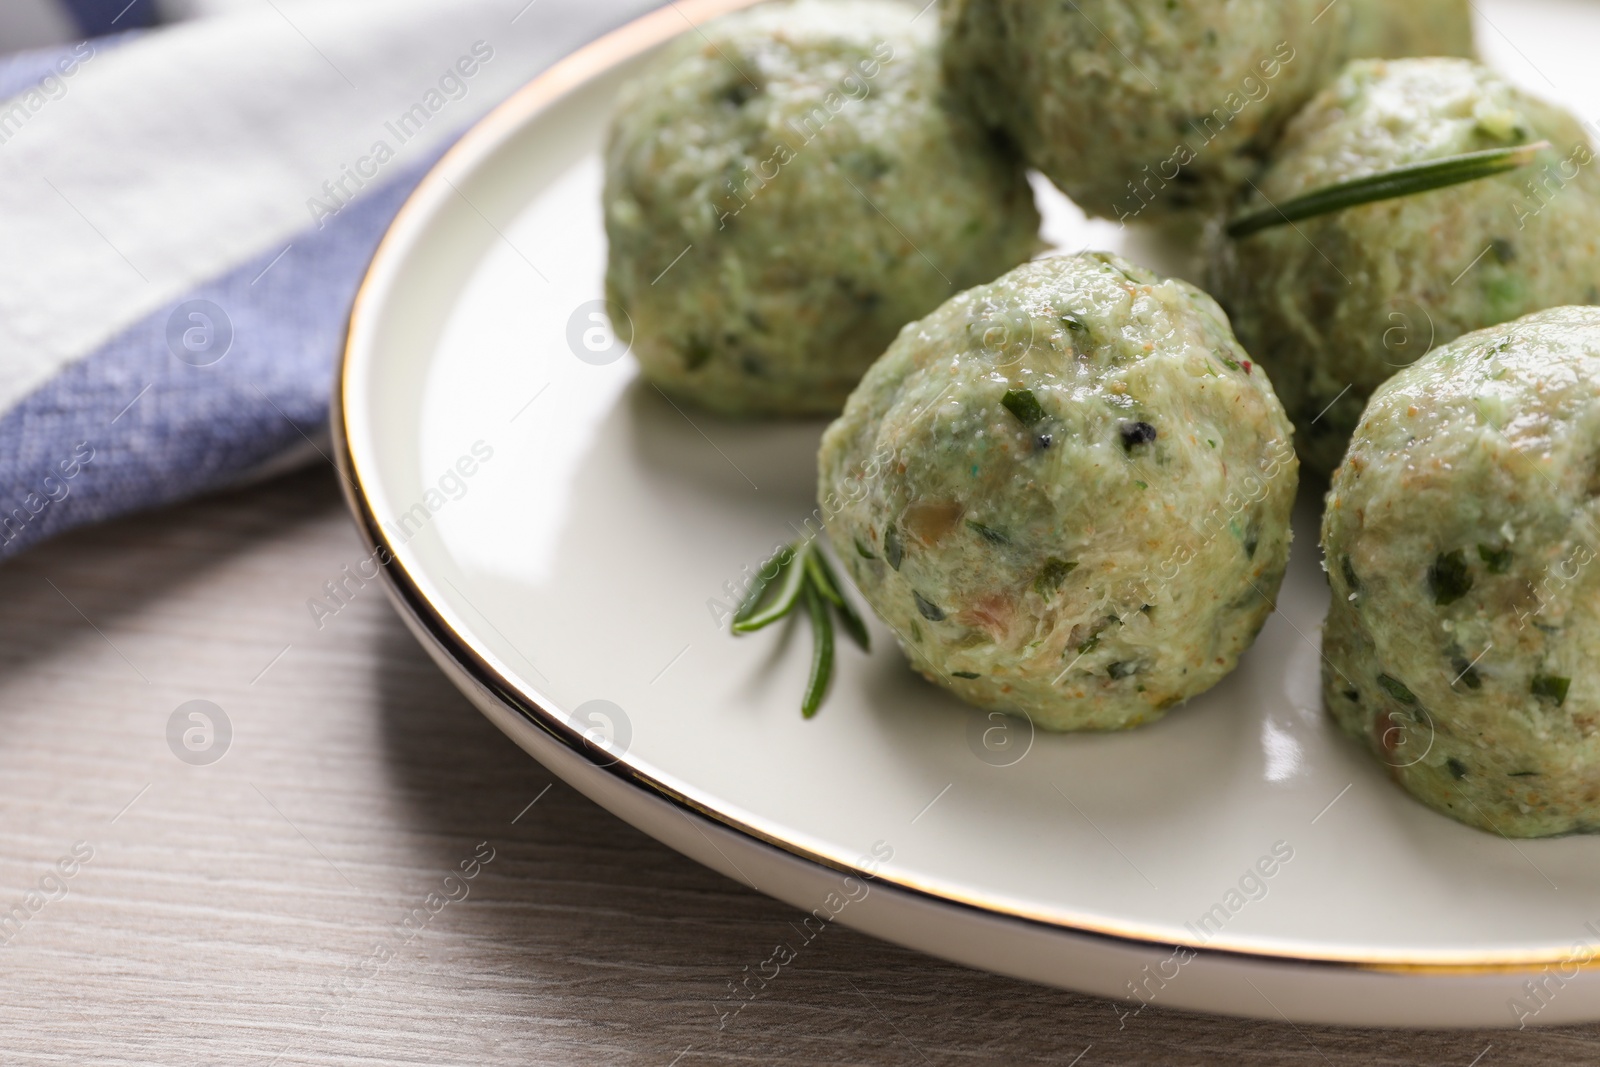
pixel 251 911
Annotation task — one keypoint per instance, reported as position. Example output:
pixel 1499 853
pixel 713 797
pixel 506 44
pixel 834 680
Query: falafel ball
pixel 1461 537
pixel 1335 305
pixel 1142 109
pixel 785 189
pixel 1067 492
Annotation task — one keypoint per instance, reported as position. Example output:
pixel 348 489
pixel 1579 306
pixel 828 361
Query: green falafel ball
pixel 1141 109
pixel 1067 492
pixel 785 189
pixel 1335 305
pixel 1461 537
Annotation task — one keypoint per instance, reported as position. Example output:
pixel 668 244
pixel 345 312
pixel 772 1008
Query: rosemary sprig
pixel 798 574
pixel 1388 185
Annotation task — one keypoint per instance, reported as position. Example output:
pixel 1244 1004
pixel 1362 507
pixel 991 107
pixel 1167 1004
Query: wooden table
pixel 274 906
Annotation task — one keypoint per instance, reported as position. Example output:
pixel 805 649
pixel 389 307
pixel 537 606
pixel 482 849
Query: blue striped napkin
pixel 185 214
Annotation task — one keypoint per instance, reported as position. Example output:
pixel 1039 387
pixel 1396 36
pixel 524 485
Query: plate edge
pixel 539 94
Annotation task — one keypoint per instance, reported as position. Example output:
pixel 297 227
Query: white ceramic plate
pixel 558 531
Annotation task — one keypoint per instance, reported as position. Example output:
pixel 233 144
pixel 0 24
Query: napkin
pixel 186 212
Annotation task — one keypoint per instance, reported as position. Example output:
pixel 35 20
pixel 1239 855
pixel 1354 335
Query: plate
pixel 564 541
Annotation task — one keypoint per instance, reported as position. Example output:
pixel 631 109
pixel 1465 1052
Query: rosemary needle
pixel 822 579
pixel 1388 185
pixel 847 613
pixel 801 573
pixel 766 574
pixel 821 652
pixel 794 583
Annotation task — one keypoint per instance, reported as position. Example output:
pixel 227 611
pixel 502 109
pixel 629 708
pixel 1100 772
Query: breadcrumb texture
pixel 1067 492
pixel 799 158
pixel 1461 539
pixel 1335 305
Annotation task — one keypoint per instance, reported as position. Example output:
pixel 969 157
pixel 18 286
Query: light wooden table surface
pixel 229 913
